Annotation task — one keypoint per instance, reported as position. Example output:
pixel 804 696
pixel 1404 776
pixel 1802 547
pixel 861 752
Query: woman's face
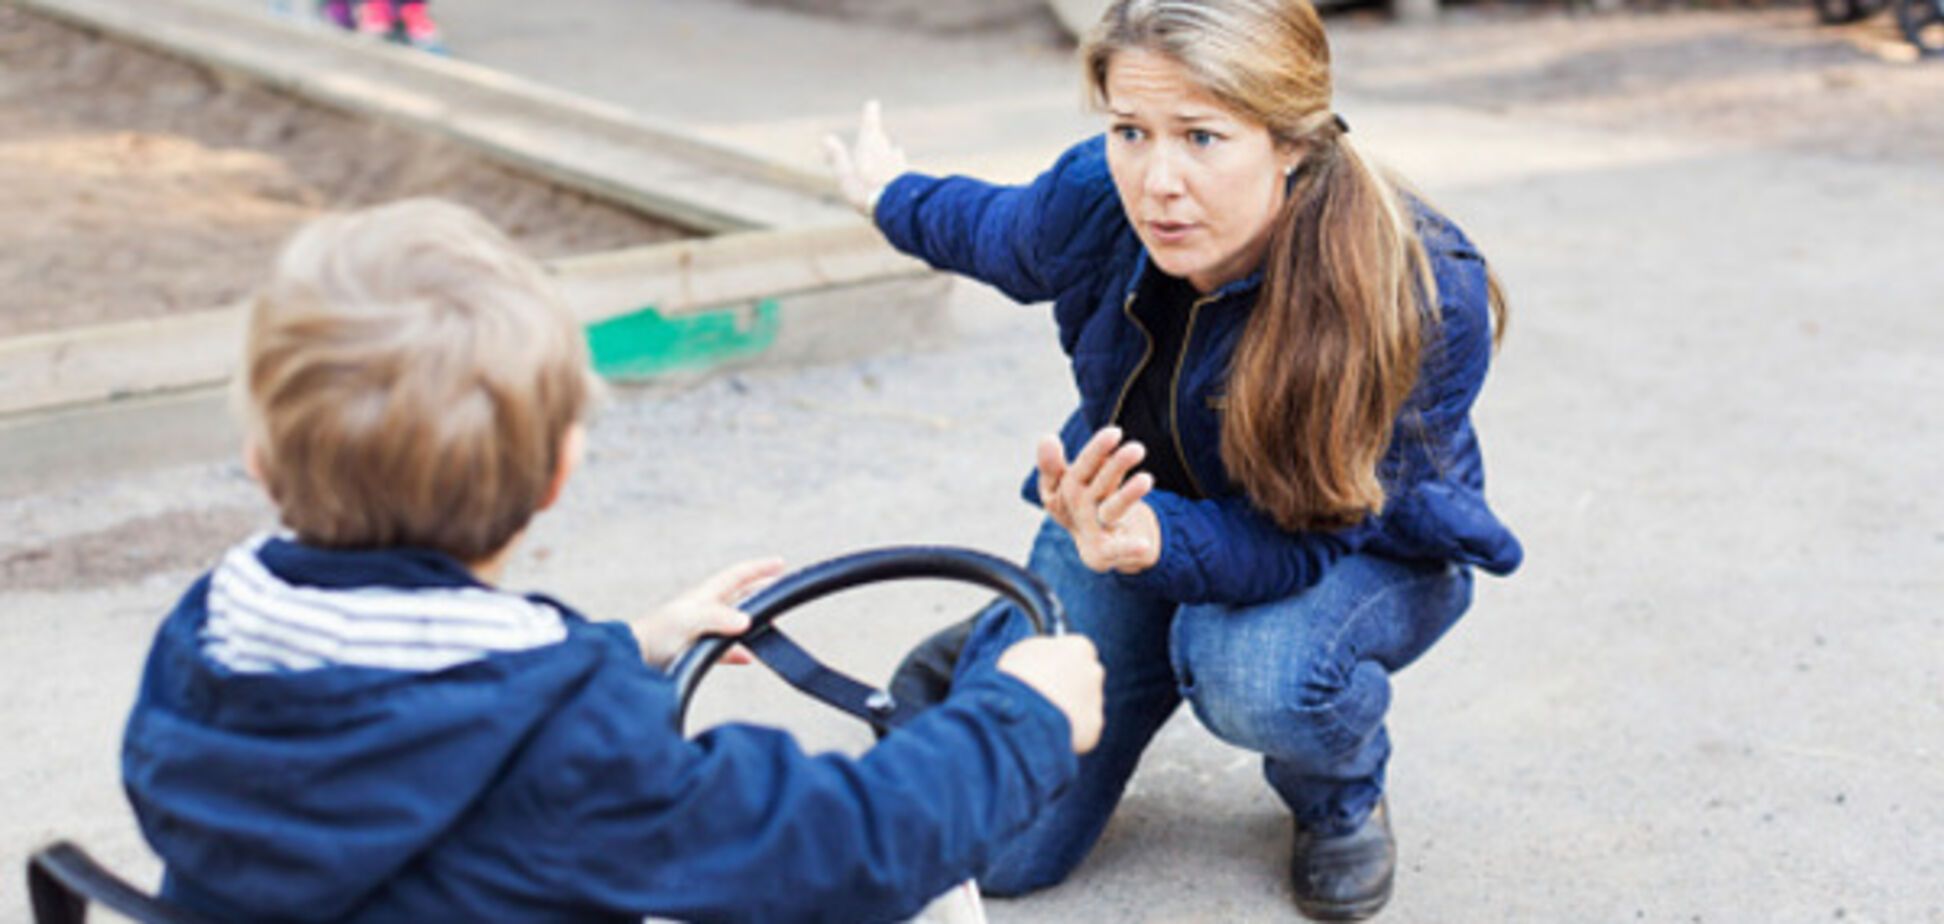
pixel 1200 183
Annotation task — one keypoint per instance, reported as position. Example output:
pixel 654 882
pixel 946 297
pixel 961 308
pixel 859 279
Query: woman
pixel 1271 496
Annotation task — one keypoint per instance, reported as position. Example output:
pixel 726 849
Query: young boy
pixel 351 721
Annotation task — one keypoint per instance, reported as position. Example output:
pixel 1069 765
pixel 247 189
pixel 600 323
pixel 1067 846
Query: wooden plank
pixel 603 150
pixel 110 361
pixel 687 275
pixel 59 448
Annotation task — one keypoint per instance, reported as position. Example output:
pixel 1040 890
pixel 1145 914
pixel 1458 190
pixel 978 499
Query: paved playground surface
pixel 1714 693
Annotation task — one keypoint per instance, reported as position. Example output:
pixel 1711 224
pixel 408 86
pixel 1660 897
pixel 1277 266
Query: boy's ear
pixel 573 445
pixel 253 460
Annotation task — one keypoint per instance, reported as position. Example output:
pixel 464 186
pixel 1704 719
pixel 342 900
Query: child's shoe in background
pixel 420 31
pixel 338 13
pixel 375 19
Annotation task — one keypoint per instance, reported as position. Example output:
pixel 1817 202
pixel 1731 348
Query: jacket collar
pixel 407 568
pixel 1228 290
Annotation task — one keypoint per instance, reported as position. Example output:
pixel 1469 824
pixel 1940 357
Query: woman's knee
pixel 1278 686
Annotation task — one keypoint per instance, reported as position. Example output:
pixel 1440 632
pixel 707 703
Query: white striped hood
pixel 311 721
pixel 260 623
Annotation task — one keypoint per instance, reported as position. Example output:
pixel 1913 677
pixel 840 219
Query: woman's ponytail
pixel 1333 347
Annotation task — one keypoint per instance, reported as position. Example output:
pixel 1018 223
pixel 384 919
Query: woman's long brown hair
pixel 1332 349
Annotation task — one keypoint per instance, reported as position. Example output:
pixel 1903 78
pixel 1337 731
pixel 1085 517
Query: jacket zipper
pixel 1174 394
pixel 1127 308
pixel 1174 387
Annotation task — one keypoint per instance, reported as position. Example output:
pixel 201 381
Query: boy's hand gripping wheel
pixel 840 691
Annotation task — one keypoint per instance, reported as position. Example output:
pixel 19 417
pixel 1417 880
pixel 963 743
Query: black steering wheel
pixel 871 704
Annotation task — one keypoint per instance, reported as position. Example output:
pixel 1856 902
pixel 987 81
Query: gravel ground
pixel 1770 77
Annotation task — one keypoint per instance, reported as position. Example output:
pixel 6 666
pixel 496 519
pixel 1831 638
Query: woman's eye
pixel 1127 133
pixel 1202 138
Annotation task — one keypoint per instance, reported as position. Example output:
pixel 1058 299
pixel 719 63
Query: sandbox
pixel 156 155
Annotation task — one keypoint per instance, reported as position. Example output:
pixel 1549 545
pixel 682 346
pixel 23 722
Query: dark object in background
pixel 1838 12
pixel 1922 21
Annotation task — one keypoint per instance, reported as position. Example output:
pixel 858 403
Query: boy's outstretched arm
pixel 741 825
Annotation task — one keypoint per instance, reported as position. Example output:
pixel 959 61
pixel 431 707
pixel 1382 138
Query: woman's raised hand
pixel 1112 525
pixel 864 168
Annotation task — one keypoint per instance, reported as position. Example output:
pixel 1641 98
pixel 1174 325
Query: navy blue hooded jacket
pixel 548 784
pixel 1065 238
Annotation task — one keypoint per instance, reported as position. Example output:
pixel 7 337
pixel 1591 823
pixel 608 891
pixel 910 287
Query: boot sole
pixel 1345 911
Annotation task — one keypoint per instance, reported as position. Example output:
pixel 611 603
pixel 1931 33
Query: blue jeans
pixel 1303 680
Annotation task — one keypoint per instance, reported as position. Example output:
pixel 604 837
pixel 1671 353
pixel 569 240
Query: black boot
pixel 924 677
pixel 1345 877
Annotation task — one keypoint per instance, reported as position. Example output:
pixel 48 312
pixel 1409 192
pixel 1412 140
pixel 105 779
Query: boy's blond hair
pixel 409 379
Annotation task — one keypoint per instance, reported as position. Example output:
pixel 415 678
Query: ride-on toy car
pixel 63 880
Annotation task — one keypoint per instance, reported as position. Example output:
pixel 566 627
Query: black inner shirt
pixel 1163 305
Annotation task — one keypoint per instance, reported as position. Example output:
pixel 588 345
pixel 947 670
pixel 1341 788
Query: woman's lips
pixel 1170 232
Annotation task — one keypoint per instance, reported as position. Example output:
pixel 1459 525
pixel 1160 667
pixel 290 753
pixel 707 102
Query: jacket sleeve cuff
pixel 1177 574
pixel 891 210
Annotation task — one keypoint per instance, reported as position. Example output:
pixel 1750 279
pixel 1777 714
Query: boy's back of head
pixel 409 379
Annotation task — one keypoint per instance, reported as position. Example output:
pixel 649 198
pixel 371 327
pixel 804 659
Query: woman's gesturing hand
pixel 1112 526
pixel 864 168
